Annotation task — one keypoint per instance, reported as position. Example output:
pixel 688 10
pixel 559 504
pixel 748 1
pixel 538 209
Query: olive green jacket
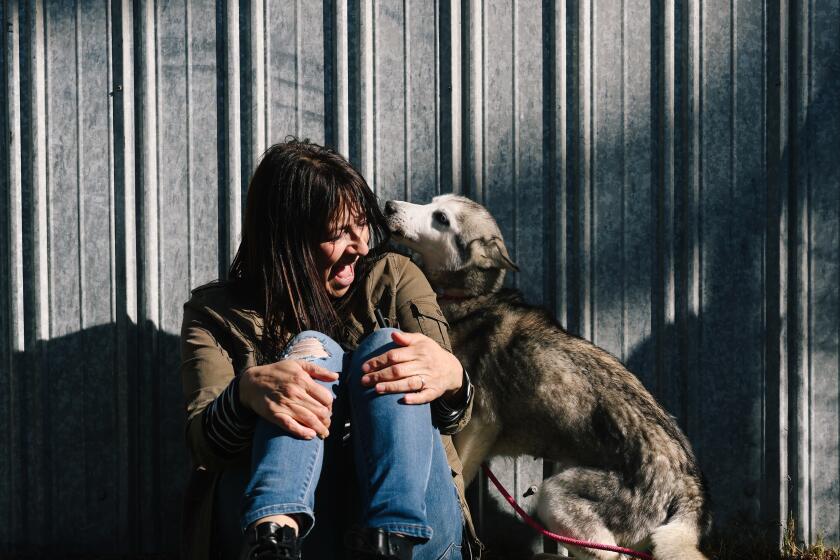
pixel 219 338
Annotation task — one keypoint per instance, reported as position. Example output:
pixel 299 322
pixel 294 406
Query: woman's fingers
pixel 412 384
pixel 421 397
pixel 407 338
pixel 317 372
pixel 300 417
pixel 285 421
pixel 318 392
pixel 308 419
pixel 389 358
pixel 391 373
pixel 302 398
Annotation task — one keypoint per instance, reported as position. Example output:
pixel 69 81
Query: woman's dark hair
pixel 297 192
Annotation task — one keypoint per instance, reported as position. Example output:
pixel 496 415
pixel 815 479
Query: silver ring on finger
pixel 422 383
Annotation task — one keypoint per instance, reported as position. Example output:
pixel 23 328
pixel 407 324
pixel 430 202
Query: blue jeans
pixel 402 480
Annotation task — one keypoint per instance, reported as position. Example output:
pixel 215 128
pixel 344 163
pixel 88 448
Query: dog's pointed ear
pixel 492 253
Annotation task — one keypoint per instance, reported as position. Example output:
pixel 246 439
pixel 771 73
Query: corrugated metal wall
pixel 666 175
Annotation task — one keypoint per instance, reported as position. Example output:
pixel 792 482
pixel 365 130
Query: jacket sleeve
pixel 206 374
pixel 418 311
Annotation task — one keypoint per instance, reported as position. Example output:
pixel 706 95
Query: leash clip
pixel 381 320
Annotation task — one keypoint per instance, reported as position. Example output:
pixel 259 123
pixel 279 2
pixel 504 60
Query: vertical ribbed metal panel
pixel 665 175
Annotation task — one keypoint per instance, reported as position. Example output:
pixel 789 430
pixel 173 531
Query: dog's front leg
pixel 474 443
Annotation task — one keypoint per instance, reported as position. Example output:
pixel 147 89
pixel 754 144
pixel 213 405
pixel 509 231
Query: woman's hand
pixel 286 394
pixel 421 369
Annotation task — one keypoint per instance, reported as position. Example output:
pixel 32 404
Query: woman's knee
pixel 379 339
pixel 374 344
pixel 309 345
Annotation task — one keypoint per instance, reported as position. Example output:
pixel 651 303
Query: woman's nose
pixel 362 247
pixel 360 241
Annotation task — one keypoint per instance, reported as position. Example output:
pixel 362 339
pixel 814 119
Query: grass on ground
pixel 752 547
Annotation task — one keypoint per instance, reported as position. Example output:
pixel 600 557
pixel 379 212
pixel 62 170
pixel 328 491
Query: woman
pixel 311 429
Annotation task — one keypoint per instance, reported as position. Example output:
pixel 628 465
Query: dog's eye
pixel 441 218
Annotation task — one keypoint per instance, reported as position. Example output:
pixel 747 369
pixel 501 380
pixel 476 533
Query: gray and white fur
pixel 628 475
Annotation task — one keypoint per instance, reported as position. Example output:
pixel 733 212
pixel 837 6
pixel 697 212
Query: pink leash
pixel 554 536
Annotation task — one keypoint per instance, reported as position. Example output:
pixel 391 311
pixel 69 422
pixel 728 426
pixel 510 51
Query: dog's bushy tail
pixel 677 540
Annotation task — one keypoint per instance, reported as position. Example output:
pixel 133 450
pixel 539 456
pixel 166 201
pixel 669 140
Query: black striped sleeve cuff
pixel 445 415
pixel 228 423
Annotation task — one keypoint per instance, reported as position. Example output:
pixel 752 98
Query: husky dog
pixel 628 475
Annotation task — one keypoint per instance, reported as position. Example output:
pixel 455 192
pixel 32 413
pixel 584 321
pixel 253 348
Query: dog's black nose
pixel 390 208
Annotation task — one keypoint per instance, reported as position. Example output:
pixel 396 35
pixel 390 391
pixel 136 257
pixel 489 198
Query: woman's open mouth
pixel 344 273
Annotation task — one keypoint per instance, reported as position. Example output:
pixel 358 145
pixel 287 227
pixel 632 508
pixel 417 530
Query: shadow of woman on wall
pixel 94 459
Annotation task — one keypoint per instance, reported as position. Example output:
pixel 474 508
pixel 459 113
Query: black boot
pixel 376 544
pixel 270 541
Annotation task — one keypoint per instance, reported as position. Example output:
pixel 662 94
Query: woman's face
pixel 346 241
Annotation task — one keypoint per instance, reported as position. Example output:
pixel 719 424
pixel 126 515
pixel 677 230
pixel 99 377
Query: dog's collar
pixel 453 295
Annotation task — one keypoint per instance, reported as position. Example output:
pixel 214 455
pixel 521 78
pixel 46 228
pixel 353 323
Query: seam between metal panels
pixel 44 212
pixel 406 102
pixel 257 85
pixel 265 60
pixel 733 98
pixel 374 83
pixel 809 265
pixel 157 150
pixel 12 75
pixel 457 63
pixel 189 147
pixel 45 153
pixel 691 212
pixel 696 196
pixel 665 196
pixel 586 244
pixel 342 78
pixel 14 341
pixel 774 360
pixel 592 173
pixel 623 241
pixel 81 242
pixel 799 335
pixel 515 168
pixel 232 119
pixel 40 173
pixel 698 283
pixel 148 240
pixel 298 80
pixel 109 60
pixel 367 73
pixel 125 238
pixel 79 155
pixel 481 127
pixel 114 406
pixel 561 164
pixel 437 96
pixel 156 519
pixel 268 138
pixel 763 267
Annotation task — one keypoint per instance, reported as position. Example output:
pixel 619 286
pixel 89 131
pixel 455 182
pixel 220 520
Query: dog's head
pixel 452 235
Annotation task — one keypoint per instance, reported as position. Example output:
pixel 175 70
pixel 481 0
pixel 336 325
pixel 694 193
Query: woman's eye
pixel 346 230
pixel 441 218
